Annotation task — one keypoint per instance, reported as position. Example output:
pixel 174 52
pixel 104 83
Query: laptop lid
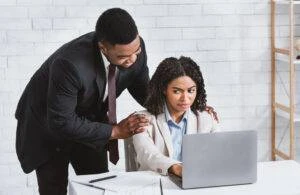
pixel 217 159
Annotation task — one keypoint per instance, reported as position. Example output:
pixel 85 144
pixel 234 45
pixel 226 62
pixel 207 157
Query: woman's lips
pixel 184 105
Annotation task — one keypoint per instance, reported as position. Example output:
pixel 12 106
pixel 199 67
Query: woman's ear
pixel 164 92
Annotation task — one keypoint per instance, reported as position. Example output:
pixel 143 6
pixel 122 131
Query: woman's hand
pixel 176 169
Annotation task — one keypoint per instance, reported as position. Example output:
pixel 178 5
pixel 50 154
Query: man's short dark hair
pixel 116 26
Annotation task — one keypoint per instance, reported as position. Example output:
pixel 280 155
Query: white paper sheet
pixel 125 183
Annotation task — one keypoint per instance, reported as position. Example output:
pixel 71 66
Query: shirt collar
pixel 105 61
pixel 169 118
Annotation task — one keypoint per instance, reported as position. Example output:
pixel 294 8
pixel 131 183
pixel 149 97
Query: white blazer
pixel 154 148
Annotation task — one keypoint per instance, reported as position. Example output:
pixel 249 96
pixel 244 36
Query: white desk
pixel 273 178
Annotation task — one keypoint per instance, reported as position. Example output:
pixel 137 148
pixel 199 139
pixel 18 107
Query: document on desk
pixel 125 182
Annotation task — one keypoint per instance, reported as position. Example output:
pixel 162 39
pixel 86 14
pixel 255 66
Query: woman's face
pixel 180 94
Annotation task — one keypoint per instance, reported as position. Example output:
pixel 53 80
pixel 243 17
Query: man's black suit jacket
pixel 63 102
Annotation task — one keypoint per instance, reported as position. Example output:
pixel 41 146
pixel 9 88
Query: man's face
pixel 121 55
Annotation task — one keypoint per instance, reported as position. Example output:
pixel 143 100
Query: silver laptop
pixel 218 159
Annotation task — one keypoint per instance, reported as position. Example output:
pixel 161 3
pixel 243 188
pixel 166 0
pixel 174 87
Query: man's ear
pixel 102 47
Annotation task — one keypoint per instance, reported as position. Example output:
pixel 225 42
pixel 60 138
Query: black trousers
pixel 52 176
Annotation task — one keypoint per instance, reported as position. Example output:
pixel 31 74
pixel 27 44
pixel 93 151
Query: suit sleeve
pixel 64 85
pixel 148 155
pixel 138 88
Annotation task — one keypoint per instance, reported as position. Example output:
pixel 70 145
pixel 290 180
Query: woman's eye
pixel 192 90
pixel 176 91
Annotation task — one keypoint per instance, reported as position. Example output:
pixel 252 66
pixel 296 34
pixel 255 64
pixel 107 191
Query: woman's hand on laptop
pixel 176 169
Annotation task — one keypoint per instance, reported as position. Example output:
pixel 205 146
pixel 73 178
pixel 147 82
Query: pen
pixel 103 178
pixel 93 186
pixel 90 185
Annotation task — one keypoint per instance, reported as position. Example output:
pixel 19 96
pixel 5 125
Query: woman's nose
pixel 184 96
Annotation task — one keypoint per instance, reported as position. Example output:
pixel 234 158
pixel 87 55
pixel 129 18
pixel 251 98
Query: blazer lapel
pixel 164 129
pixel 100 78
pixel 192 123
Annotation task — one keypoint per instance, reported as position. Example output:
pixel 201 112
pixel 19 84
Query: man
pixel 62 114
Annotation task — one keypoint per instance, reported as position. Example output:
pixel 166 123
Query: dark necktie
pixel 112 118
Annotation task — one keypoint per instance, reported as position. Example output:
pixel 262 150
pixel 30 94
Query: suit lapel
pixel 164 129
pixel 100 77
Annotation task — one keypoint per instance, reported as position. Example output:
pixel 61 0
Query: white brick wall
pixel 230 39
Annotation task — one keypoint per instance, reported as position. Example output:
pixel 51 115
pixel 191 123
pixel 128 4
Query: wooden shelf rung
pixel 282 51
pixel 282 155
pixel 282 107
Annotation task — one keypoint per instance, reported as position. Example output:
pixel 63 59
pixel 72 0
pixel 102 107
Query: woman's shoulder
pixel 208 119
pixel 147 114
pixel 151 127
pixel 204 115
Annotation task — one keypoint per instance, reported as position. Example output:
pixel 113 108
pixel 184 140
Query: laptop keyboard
pixel 176 179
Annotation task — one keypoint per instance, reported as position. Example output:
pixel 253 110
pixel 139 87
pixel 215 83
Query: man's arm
pixel 64 85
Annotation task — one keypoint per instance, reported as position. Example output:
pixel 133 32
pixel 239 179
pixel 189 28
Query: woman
pixel 175 106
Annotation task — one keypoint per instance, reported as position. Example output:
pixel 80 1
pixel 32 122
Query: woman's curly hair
pixel 168 70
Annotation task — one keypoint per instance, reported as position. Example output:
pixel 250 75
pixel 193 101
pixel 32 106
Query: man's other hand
pixel 211 110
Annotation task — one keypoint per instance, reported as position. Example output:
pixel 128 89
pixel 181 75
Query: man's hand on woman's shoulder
pixel 133 124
